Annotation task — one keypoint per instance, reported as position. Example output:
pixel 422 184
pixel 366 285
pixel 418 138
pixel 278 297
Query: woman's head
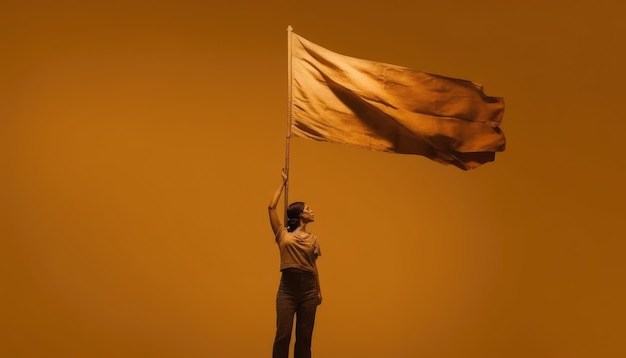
pixel 298 212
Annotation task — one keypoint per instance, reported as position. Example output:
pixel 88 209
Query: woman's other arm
pixel 319 290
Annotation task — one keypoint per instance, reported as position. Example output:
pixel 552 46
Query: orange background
pixel 141 141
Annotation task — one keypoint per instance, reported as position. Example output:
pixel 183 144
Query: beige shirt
pixel 297 250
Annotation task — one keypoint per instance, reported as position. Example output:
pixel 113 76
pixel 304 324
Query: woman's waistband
pixel 296 271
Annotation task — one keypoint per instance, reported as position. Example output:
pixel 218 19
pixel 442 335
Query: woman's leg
pixel 305 319
pixel 285 310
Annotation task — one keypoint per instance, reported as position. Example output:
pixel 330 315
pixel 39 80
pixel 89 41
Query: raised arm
pixel 274 219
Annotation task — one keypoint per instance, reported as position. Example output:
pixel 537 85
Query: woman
pixel 299 291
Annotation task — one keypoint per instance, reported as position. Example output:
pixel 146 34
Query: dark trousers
pixel 297 294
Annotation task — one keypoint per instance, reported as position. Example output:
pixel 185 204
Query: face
pixel 307 215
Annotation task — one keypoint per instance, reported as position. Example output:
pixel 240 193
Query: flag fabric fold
pixel 389 108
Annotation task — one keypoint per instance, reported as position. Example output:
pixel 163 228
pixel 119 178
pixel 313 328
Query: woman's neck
pixel 301 228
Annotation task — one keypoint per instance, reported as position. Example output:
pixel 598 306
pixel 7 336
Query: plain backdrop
pixel 140 142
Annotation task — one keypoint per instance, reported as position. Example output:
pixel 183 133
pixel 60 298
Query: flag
pixel 389 108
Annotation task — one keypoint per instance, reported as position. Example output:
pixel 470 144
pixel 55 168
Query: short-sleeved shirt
pixel 297 250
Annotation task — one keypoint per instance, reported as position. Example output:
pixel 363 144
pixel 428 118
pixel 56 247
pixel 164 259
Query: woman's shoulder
pixel 282 231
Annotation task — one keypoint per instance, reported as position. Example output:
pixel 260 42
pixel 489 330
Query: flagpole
pixel 289 114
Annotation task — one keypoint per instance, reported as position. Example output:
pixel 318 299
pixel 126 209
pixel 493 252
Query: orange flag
pixel 389 108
